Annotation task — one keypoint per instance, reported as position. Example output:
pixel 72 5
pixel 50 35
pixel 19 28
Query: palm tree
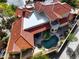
pixel 72 37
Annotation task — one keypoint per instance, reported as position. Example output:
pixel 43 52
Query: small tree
pixel 40 56
pixel 72 37
pixel 8 10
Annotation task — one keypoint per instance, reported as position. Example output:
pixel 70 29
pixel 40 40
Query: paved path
pixel 73 45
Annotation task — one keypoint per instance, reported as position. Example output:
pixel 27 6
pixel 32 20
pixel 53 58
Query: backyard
pixel 47 42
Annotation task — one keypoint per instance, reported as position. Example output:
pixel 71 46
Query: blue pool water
pixel 51 42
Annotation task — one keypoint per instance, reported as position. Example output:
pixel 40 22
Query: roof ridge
pixel 57 14
pixel 64 6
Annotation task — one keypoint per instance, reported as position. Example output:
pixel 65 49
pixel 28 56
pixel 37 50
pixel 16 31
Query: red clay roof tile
pixel 53 11
pixel 38 7
pixel 59 9
pixel 50 13
pixel 67 6
pixel 18 39
pixel 22 43
pixel 16 30
pixel 23 39
pixel 28 37
pixel 15 49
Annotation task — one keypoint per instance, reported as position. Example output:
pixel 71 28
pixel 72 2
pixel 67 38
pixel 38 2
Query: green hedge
pixel 8 10
pixel 1 1
pixel 40 56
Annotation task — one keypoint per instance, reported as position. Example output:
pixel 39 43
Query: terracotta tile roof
pixel 22 43
pixel 59 9
pixel 16 48
pixel 10 45
pixel 13 48
pixel 53 11
pixel 48 10
pixel 38 7
pixel 28 37
pixel 17 41
pixel 67 6
pixel 21 39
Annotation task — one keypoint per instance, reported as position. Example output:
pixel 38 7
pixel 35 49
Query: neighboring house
pixel 29 31
pixel 22 3
pixel 16 2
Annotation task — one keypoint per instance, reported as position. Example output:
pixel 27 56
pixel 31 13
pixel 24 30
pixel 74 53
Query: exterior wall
pixel 71 17
pixel 64 20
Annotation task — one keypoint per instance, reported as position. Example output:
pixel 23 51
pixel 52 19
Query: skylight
pixel 34 20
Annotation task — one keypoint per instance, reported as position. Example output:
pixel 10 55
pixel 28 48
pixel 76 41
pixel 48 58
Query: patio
pixel 61 33
pixel 44 38
pixel 45 43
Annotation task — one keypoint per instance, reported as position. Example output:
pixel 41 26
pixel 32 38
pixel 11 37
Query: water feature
pixel 51 42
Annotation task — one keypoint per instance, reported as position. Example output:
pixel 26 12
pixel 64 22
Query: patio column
pixel 20 55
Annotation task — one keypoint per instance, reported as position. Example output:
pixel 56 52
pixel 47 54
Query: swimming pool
pixel 51 42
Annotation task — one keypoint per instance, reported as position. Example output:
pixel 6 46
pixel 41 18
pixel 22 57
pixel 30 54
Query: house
pixel 22 3
pixel 36 27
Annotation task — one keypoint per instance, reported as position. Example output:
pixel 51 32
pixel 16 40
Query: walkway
pixel 72 45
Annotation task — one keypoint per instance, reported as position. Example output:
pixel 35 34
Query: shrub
pixel 72 37
pixel 1 1
pixel 8 10
pixel 40 56
pixel 70 2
